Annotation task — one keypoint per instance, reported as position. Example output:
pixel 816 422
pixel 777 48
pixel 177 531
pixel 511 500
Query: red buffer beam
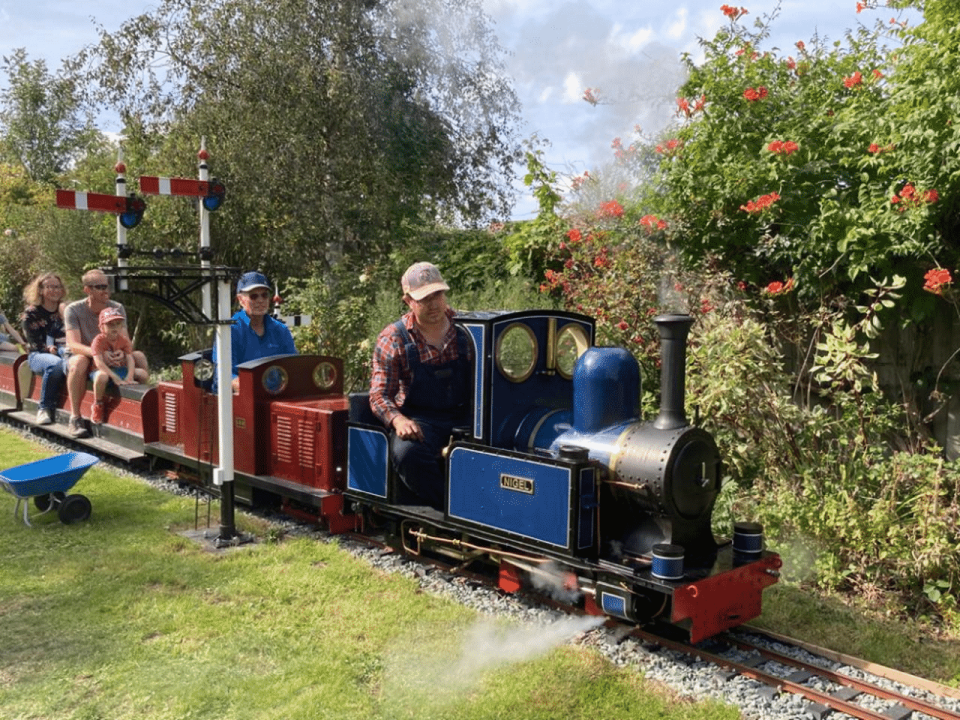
pixel 184 187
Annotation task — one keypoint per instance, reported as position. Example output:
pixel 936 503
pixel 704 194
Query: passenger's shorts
pixel 120 371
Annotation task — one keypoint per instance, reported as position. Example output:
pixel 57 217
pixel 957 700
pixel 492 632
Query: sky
pixel 557 49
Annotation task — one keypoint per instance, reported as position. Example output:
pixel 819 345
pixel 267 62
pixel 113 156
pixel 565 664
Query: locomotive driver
pixel 422 366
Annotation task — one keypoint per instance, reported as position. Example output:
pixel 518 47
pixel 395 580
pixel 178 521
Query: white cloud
pixel 631 42
pixel 573 88
pixel 678 27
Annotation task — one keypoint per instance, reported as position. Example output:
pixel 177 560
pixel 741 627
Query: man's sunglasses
pixel 99 287
pixel 258 296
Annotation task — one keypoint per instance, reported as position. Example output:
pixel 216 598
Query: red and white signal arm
pixel 212 191
pixel 99 202
pixel 184 187
pixel 128 208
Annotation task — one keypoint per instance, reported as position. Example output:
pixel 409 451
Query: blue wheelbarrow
pixel 47 482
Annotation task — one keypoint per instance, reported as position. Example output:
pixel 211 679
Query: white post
pixel 121 191
pixel 205 229
pixel 224 474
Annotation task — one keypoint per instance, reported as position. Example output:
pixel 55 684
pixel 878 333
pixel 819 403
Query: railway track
pixel 785 665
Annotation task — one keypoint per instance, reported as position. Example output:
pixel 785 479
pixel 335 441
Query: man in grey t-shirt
pixel 81 320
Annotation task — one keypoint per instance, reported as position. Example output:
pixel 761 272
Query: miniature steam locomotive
pixel 555 481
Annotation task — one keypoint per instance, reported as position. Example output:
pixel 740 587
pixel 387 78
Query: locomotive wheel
pixel 48 500
pixel 74 509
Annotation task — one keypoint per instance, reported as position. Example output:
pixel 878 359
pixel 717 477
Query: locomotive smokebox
pixel 666 474
pixel 673 362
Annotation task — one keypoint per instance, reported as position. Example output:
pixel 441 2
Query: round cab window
pixel 324 375
pixel 275 379
pixel 203 370
pixel 517 352
pixel 571 344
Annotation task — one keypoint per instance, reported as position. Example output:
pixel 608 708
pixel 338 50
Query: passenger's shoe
pixel 45 416
pixel 78 428
pixel 96 414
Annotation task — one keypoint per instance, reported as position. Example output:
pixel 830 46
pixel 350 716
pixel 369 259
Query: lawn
pixel 123 617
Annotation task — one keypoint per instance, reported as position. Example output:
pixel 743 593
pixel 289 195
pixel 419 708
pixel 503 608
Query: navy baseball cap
pixel 251 280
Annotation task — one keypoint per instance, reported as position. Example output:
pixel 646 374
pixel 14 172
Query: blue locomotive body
pixel 558 475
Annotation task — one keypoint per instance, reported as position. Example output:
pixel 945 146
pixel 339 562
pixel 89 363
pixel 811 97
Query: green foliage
pixel 528 242
pixel 336 127
pixel 860 171
pixel 44 126
pixel 350 306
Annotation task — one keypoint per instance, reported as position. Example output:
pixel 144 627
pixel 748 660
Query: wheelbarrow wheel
pixel 74 509
pixel 46 501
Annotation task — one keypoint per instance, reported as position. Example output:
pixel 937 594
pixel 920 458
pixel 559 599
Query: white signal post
pixel 223 475
pixel 204 174
pixel 121 192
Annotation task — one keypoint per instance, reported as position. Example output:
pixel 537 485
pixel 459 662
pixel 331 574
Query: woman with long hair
pixel 42 324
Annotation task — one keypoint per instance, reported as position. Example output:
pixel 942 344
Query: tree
pixel 42 124
pixel 336 126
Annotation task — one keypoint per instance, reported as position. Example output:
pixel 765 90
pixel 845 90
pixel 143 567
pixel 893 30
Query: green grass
pixel 122 617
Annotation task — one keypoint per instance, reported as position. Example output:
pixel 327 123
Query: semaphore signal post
pixel 175 287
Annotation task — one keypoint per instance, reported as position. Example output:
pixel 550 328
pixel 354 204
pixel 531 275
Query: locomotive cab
pixel 523 361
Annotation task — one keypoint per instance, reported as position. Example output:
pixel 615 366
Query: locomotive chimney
pixel 673 366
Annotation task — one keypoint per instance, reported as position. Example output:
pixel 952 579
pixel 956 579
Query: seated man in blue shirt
pixel 255 333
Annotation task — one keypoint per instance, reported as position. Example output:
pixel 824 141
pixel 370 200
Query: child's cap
pixel 111 313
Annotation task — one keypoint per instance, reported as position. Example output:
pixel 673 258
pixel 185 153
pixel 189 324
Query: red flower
pixel 936 279
pixel 762 203
pixel 611 209
pixel 732 12
pixel 877 74
pixel 800 46
pixel 574 235
pixel 779 147
pixel 652 222
pixel 861 6
pixel 751 94
pixel 874 148
pixel 909 195
pixel 683 106
pixel 622 325
pixel 779 288
pixel 853 80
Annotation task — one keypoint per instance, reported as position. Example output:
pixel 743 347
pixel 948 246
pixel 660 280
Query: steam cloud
pixel 435 666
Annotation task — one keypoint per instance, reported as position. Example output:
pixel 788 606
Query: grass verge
pixel 122 617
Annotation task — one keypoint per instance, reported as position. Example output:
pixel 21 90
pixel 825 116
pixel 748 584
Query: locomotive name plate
pixel 517 484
